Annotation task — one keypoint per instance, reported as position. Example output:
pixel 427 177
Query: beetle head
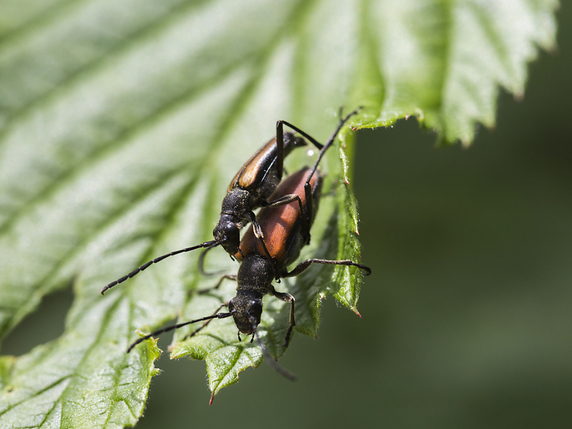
pixel 246 310
pixel 227 233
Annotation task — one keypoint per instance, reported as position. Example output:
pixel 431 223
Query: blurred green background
pixel 467 317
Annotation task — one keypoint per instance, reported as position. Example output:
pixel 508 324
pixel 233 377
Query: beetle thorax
pixel 237 202
pixel 255 274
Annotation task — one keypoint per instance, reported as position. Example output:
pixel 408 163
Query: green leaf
pixel 444 61
pixel 122 123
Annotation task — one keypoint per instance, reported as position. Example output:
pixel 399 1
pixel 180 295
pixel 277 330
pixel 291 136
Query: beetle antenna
pixel 207 244
pixel 332 138
pixel 202 263
pixel 270 359
pixel 177 326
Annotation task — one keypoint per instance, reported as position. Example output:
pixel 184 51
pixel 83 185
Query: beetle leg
pixel 299 131
pixel 224 304
pixel 280 148
pixel 306 220
pixel 271 361
pixel 305 214
pixel 201 264
pixel 282 201
pixel 331 140
pixel 260 236
pixel 303 266
pixel 211 317
pixel 286 297
pixel 215 287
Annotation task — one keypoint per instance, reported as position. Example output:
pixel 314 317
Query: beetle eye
pixel 230 229
pixel 255 309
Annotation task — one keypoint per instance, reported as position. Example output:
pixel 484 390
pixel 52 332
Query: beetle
pixel 284 232
pixel 250 189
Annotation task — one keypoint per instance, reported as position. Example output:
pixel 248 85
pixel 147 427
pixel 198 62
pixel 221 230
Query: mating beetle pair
pixel 275 238
pixel 250 189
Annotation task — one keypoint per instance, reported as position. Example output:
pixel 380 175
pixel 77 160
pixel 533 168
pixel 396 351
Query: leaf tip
pixel 518 96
